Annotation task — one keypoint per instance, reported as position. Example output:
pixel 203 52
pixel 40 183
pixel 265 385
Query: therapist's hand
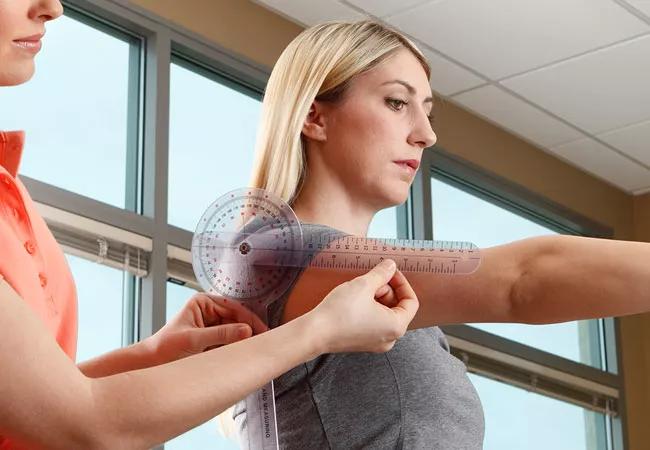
pixel 204 323
pixel 368 313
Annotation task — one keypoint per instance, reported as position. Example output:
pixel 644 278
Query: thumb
pixel 222 334
pixel 405 310
pixel 381 274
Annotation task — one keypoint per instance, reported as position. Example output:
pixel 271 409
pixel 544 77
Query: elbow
pixel 91 436
pixel 108 440
pixel 534 268
pixel 81 435
pixel 520 301
pixel 99 428
pixel 93 441
pixel 99 438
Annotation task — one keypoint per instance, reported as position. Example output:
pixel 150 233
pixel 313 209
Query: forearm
pixel 133 357
pixel 46 402
pixel 571 278
pixel 149 406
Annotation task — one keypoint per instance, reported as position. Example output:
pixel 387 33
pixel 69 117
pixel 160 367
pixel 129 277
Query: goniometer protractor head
pixel 229 233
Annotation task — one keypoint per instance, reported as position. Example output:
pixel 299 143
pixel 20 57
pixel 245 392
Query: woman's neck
pixel 329 204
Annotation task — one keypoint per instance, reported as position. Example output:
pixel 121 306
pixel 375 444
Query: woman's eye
pixel 396 103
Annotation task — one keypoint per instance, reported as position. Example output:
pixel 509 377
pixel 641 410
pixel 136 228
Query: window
pixel 80 111
pixel 211 140
pixel 100 293
pixel 458 215
pixel 384 224
pixel 517 419
pixel 217 433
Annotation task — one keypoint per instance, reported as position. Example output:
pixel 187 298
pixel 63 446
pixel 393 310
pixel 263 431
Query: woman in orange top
pixel 132 397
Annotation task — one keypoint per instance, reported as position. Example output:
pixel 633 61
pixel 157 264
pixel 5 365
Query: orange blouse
pixel 31 260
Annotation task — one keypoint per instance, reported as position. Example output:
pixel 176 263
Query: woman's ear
pixel 314 126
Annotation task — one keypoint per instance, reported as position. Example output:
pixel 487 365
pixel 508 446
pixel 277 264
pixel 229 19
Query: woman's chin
pixel 21 74
pixel 394 197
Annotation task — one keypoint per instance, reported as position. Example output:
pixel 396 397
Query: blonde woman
pixel 345 121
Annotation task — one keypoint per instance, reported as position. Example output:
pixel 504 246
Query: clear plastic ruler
pixel 249 246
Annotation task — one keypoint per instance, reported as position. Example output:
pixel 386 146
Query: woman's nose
pixel 422 134
pixel 47 10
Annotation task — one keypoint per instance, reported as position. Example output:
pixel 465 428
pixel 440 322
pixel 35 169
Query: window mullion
pixel 155 179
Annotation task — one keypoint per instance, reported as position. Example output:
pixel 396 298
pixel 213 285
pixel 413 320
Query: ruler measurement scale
pixel 352 253
pixel 410 256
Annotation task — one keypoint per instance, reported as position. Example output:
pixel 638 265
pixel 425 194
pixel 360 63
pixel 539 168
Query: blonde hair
pixel 317 65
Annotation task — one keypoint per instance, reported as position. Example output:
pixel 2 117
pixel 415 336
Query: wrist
pixel 314 333
pixel 134 357
pixel 146 351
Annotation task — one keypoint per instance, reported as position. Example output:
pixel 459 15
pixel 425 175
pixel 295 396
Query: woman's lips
pixel 31 43
pixel 409 165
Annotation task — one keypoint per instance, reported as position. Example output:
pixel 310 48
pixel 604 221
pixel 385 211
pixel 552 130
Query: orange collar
pixel 11 150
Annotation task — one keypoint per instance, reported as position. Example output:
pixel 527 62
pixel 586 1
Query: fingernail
pixel 243 331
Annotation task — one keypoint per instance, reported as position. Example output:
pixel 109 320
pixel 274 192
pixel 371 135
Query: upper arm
pixel 311 288
pixel 42 393
pixel 483 296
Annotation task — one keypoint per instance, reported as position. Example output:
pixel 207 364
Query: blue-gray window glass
pixel 211 141
pixel 100 293
pixel 520 419
pixel 384 224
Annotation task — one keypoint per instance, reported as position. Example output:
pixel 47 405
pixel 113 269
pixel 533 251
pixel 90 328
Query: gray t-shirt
pixel 416 396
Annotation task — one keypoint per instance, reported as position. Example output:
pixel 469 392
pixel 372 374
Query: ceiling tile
pixel 448 77
pixel 518 116
pixel 310 13
pixel 633 140
pixel 601 161
pixel 599 91
pixel 641 5
pixel 500 38
pixel 382 8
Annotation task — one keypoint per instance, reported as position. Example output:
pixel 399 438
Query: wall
pixel 635 334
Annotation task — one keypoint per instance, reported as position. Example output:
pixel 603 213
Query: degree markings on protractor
pixel 225 233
